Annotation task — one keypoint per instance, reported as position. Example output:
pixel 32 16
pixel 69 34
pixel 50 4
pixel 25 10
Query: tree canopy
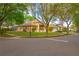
pixel 12 12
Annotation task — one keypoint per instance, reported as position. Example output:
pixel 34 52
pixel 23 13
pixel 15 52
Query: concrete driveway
pixel 57 46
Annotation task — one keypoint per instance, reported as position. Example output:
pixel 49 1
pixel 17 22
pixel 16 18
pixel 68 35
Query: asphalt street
pixel 55 46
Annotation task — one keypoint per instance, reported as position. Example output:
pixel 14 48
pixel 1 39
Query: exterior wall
pixel 19 29
pixel 37 24
pixel 39 27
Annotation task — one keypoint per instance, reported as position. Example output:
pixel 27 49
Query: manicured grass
pixel 33 34
pixel 22 34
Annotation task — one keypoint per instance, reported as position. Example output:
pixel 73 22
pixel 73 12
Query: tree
pixel 44 13
pixel 12 13
pixel 65 14
pixel 16 17
pixel 76 16
pixel 76 21
pixel 7 9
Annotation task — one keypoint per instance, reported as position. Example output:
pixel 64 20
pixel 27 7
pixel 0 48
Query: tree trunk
pixel 77 28
pixel 47 29
pixel 30 34
pixel 67 29
pixel 0 27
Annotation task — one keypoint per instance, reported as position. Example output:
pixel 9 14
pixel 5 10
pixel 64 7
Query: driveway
pixel 56 46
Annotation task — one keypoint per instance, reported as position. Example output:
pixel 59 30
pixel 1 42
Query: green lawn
pixel 33 34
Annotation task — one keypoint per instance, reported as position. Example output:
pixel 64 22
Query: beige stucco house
pixel 34 26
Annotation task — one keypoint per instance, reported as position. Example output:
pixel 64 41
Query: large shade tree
pixel 44 13
pixel 65 14
pixel 16 17
pixel 12 12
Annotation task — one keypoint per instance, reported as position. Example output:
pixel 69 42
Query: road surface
pixel 56 46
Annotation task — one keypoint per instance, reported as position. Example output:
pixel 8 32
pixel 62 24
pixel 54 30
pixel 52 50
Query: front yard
pixel 33 34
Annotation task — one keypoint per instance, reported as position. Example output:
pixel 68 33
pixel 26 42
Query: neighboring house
pixel 34 26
